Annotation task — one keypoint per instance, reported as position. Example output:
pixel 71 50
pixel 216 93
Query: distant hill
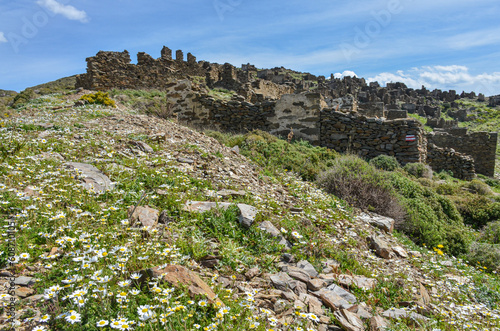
pixel 59 85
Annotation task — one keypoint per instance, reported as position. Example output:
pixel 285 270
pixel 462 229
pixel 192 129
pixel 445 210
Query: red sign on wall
pixel 410 137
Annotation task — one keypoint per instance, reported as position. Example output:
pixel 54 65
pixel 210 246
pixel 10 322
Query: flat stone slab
pixel 308 267
pixel 395 313
pixel 349 297
pixel 92 178
pixel 24 281
pixel 382 222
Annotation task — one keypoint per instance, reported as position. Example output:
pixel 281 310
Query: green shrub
pixel 479 187
pixel 23 98
pixel 432 219
pixel 361 185
pixel 484 255
pixel 277 154
pixel 418 170
pixel 479 211
pixel 447 188
pixel 385 162
pixel 99 98
pixel 491 233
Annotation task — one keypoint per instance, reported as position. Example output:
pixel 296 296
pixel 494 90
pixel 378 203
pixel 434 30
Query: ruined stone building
pixel 347 115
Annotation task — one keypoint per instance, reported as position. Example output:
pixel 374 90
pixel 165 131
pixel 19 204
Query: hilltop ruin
pixel 347 115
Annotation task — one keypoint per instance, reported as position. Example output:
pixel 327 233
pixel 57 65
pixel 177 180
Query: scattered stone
pixel 308 267
pixel 361 282
pixel 93 178
pixel 231 193
pixel 400 252
pixel 24 281
pixel 299 274
pixel 50 155
pixel 395 313
pixel 236 149
pixel 24 292
pixel 415 254
pixel 6 273
pixel 380 247
pixel 446 263
pixel 348 320
pixel 316 284
pixel 378 323
pixel 251 273
pixel 287 258
pixel 146 215
pixel 142 146
pixel 283 282
pixel 341 292
pixel 210 261
pixel 423 297
pixel 247 214
pixel 382 222
pixel 31 191
pixel 333 301
pixel 177 275
pixel 296 210
pixel 301 288
pixel 270 228
pixel 185 160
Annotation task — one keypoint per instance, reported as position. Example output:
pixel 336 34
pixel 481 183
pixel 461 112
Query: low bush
pixel 385 162
pixel 447 188
pixel 361 185
pixel 479 187
pixel 432 219
pixel 478 211
pixel 491 233
pixel 419 170
pixel 22 98
pixel 277 155
pixel 484 255
pixel 98 98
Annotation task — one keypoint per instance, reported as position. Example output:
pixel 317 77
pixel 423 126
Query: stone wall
pixel 480 145
pixel 369 137
pixel 108 70
pixel 461 165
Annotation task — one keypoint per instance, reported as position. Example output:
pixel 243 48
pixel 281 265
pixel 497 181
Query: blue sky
pixel 440 44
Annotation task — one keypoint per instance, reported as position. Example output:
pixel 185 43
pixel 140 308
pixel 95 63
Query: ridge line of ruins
pixel 347 115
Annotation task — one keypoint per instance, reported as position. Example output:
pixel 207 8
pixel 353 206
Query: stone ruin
pixel 347 115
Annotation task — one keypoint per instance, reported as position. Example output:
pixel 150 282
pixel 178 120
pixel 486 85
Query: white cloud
pixel 478 38
pixel 67 11
pixel 346 73
pixel 443 77
pixel 2 38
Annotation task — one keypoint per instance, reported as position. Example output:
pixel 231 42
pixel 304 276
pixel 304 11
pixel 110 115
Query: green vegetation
pixel 24 97
pixel 276 155
pixel 418 170
pixel 63 85
pixel 221 94
pixel 99 252
pixel 385 162
pixel 98 98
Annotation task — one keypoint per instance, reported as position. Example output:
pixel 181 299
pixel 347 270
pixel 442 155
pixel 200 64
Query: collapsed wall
pixel 480 145
pixel 461 165
pixel 109 70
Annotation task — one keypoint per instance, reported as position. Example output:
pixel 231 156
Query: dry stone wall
pixel 480 145
pixel 369 137
pixel 461 165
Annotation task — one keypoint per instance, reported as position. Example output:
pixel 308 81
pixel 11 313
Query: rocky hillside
pixel 118 220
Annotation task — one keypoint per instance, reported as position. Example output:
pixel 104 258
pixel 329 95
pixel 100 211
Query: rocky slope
pixel 125 221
